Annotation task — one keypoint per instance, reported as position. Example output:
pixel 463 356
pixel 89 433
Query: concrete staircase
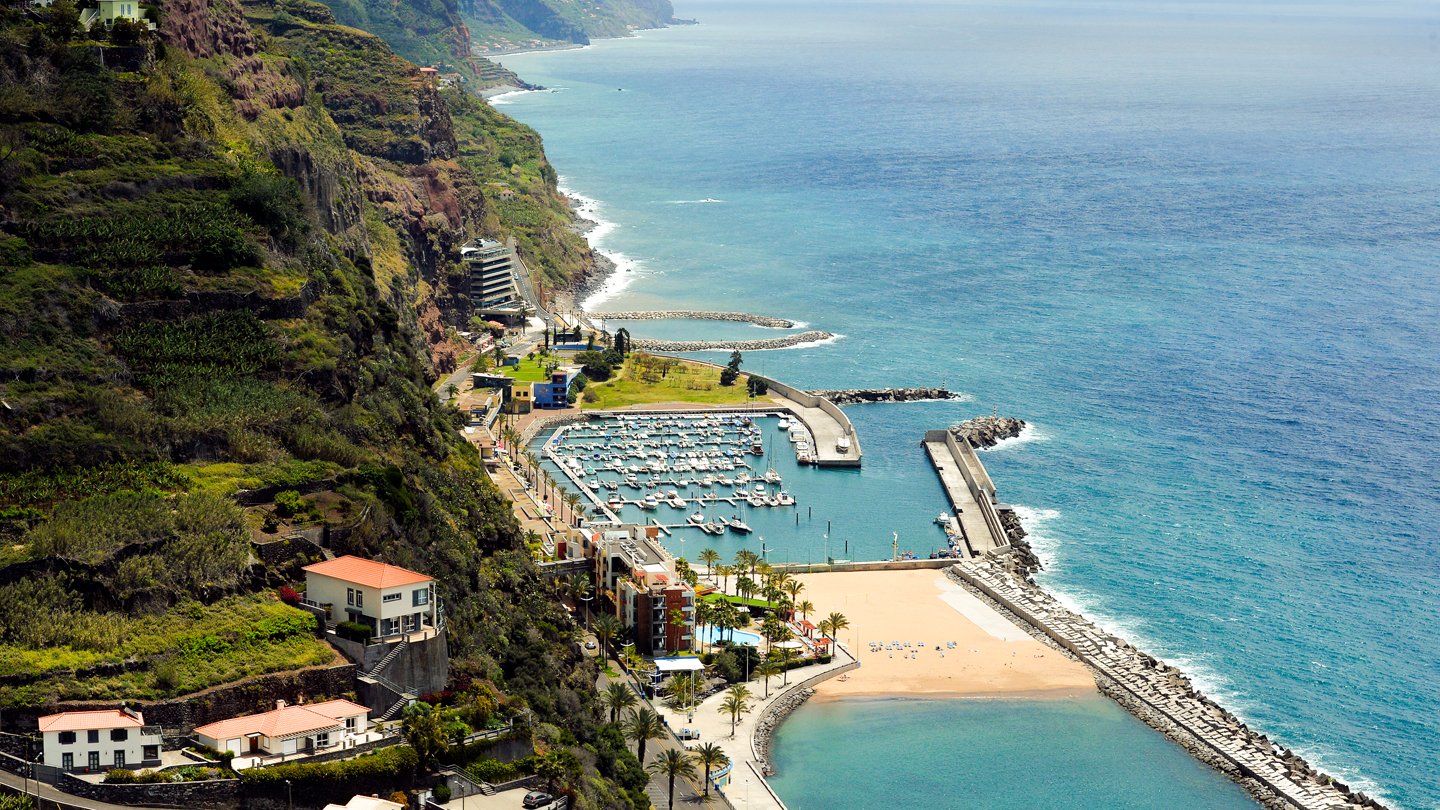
pixel 391 656
pixel 395 708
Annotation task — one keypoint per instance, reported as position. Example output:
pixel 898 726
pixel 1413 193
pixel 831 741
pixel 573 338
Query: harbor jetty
pixel 987 431
pixel 1162 696
pixel 761 344
pixel 858 396
pixel 694 315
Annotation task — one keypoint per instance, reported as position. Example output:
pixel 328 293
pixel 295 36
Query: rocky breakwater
pixel 655 345
pixel 1163 697
pixel 770 721
pixel 987 431
pixel 856 396
pixel 694 315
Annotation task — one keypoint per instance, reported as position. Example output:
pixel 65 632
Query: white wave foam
pixel 501 99
pixel 1028 434
pixel 625 267
pixel 706 201
pixel 806 345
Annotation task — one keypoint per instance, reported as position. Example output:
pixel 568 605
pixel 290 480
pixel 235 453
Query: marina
pixel 680 471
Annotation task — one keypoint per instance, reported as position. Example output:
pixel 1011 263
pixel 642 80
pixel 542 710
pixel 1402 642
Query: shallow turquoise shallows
pixel 993 754
pixel 1196 244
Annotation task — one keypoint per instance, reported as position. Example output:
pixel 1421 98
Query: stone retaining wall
pixel 218 793
pixel 1163 697
pixel 695 315
pixel 775 714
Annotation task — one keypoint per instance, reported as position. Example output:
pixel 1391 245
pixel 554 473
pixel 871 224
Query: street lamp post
pixel 289 796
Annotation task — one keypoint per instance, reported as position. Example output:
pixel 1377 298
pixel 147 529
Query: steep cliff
pixel 227 262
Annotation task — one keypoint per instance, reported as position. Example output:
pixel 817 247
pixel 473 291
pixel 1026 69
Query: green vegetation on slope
pixel 224 260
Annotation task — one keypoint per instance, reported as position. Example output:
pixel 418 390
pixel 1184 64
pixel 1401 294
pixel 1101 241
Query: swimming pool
pixel 709 634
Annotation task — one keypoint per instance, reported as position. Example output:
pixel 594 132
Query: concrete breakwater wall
pixel 1163 697
pixel 657 345
pixel 694 315
pixel 856 396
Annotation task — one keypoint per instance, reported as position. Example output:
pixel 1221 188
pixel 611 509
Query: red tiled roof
pixel 284 722
pixel 368 573
pixel 89 721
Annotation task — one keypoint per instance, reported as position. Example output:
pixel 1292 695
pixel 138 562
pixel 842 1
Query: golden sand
pixel 991 657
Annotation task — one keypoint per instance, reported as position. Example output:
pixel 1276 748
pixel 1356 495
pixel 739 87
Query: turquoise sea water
pixel 1006 759
pixel 1193 243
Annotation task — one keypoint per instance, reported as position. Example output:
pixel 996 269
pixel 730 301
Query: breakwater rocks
pixel 855 396
pixel 1022 560
pixel 770 721
pixel 654 345
pixel 694 315
pixel 1163 697
pixel 987 431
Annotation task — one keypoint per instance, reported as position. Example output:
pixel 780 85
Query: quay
pixel 693 315
pixel 1162 696
pixel 971 493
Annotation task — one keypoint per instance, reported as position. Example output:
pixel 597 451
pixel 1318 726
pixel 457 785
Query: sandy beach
pixel 991 657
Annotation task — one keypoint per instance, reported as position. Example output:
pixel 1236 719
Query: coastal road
pixel 50 798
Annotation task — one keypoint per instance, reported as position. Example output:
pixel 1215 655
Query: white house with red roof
pixel 288 730
pixel 390 599
pixel 97 741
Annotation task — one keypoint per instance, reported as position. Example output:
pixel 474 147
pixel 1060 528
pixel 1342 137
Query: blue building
pixel 556 393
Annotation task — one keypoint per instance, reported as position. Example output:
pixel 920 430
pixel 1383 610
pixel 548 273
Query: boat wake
pixel 706 201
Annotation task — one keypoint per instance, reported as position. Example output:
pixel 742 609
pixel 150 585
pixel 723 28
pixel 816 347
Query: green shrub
pixel 354 631
pixel 119 776
pixel 441 792
pixel 391 765
pixel 287 503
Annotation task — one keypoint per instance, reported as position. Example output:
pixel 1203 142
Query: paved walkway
pixel 688 793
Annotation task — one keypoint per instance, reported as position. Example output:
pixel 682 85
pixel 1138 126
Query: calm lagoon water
pixel 1192 242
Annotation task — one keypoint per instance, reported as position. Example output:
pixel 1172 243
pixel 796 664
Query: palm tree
pixel 672 763
pixel 832 625
pixel 709 755
pixel 710 556
pixel 724 572
pixel 745 560
pixel 579 589
pixel 793 587
pixel 785 654
pixel 744 586
pixel 616 697
pixel 767 669
pixel 734 705
pixel 572 500
pixel 606 629
pixel 804 606
pixel 704 614
pixel 642 726
pixel 739 690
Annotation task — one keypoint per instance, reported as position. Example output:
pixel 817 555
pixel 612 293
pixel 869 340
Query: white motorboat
pixel 739 526
pixel 786 499
pixel 697 518
pixel 649 502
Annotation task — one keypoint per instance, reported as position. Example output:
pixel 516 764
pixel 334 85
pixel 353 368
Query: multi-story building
pixel 494 291
pixel 640 578
pixel 556 392
pixel 99 740
pixel 390 599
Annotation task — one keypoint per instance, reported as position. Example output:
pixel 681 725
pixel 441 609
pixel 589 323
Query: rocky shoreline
pixel 1161 696
pixel 769 722
pixel 695 315
pixel 654 345
pixel 987 431
pixel 856 396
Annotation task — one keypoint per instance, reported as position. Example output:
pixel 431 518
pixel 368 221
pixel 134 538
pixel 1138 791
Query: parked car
pixel 689 734
pixel 589 645
pixel 537 798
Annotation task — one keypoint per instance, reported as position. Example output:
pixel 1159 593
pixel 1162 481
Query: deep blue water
pixel 1195 244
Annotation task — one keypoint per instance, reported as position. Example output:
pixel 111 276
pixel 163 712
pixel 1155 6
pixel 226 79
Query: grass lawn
pixel 530 370
pixel 738 600
pixel 685 382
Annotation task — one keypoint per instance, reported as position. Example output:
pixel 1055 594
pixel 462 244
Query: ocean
pixel 1194 244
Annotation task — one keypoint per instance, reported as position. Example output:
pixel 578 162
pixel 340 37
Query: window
pixel 350 597
pixel 359 598
pixel 119 757
pixel 349 724
pixel 322 739
pixel 93 735
pixel 391 597
pixel 421 596
pixel 67 737
pixel 67 761
pixel 151 752
pixel 119 734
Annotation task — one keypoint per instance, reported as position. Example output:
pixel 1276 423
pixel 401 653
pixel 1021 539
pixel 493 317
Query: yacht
pixel 772 476
pixel 842 444
pixel 650 502
pixel 697 518
pixel 785 498
pixel 739 526
pixel 784 423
